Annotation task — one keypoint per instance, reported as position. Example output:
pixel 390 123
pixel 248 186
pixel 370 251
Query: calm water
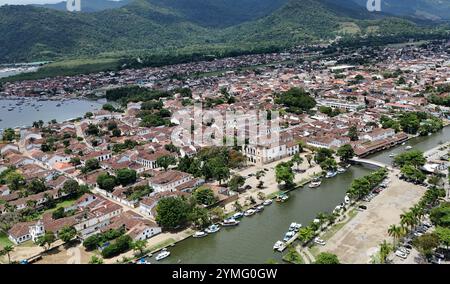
pixel 253 239
pixel 25 114
pixel 419 143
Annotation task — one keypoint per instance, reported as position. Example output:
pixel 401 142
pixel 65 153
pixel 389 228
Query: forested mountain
pixel 36 33
pixel 88 6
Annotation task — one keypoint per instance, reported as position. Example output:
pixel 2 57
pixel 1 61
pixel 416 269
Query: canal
pixel 253 239
pixel 422 143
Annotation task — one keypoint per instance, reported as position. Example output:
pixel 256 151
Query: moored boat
pixel 278 245
pixel 267 202
pixel 238 215
pixel 163 254
pixel 249 212
pixel 212 229
pixel 330 174
pixel 230 222
pixel 199 234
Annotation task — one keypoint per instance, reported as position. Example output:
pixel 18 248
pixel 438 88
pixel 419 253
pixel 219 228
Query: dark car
pixel 363 207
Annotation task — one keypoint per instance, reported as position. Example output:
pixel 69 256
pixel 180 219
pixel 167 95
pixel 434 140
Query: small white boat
pixel 238 215
pixel 267 202
pixel 165 253
pixel 295 227
pixel 212 229
pixel 282 198
pixel 278 245
pixel 408 147
pixel 341 170
pixel 391 155
pixel 199 234
pixel 331 174
pixel 249 212
pixel 403 143
pixel 230 222
pixel 289 235
pixel 259 208
pixel 315 184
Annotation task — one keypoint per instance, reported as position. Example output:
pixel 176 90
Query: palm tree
pixel 396 232
pixel 385 250
pixel 306 234
pixel 408 219
pixel 6 251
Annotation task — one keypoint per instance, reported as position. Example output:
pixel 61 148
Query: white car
pixel 319 241
pixel 417 234
pixel 401 254
pixel 404 250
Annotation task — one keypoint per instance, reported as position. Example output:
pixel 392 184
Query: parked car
pixel 401 254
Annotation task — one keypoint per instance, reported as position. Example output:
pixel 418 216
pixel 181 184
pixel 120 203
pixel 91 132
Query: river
pixel 25 114
pixel 253 239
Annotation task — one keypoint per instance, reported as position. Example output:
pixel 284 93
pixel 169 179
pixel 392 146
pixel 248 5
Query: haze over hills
pixel 88 6
pixel 423 9
pixel 36 33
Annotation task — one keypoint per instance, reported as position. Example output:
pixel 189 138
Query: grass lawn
pixel 4 241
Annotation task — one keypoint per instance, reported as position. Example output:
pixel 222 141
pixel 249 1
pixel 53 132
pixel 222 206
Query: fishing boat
pixel 249 212
pixel 163 254
pixel 267 202
pixel 408 147
pixel 199 234
pixel 330 174
pixel 341 170
pixel 230 222
pixel 278 245
pixel 391 155
pixel 212 229
pixel 238 215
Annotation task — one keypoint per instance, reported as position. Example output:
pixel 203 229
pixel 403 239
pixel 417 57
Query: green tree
pixel 236 182
pixel 427 243
pixel 329 165
pixel 346 152
pixel 172 212
pixel 385 250
pixel 306 234
pixel 66 234
pixel 71 187
pixel 444 235
pixel 396 232
pixel 204 196
pixel 322 154
pixel 96 260
pixel 412 158
pixel 126 176
pixel 46 240
pixel 139 246
pixel 296 159
pixel 15 180
pixel 353 133
pixel 7 251
pixel 327 258
pixel 8 135
pixel 106 181
pixel 166 161
pixel 91 165
pixel 284 173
